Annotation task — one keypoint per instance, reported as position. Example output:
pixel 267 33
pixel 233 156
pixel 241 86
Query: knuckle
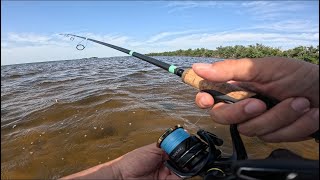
pixel 245 130
pixel 229 113
pixel 223 117
pixel 268 138
pixel 220 117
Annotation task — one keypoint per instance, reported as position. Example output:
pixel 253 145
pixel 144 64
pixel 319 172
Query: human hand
pixel 295 83
pixel 144 163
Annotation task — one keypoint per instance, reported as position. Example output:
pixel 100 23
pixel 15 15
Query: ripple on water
pixel 61 117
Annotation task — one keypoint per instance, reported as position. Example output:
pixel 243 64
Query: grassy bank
pixel 309 54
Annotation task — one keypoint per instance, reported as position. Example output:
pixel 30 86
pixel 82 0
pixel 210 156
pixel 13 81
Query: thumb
pixel 238 70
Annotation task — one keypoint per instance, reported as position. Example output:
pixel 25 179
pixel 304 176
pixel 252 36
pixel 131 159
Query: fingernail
pixel 204 102
pixel 201 66
pixel 300 105
pixel 253 108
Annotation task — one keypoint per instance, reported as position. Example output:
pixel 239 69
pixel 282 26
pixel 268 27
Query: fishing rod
pixel 221 92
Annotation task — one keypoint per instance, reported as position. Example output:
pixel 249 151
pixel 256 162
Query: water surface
pixel 58 118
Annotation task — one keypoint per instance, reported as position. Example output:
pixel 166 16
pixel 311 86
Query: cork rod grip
pixel 191 78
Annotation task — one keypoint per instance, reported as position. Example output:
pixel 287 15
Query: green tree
pixel 309 54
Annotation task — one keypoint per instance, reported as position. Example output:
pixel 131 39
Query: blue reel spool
pixel 172 138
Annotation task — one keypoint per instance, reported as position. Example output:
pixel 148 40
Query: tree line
pixel 306 53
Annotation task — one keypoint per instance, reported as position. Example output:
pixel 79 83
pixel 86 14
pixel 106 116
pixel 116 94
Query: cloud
pixel 290 26
pixel 41 53
pixel 30 47
pixel 272 10
pixel 28 38
pixel 163 35
pixel 111 38
pixel 258 10
pixel 241 38
pixel 24 47
pixel 176 6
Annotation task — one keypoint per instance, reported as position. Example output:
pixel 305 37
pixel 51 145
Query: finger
pixel 297 131
pixel 165 156
pixel 204 100
pixel 252 86
pixel 227 70
pixel 253 70
pixel 165 173
pixel 150 148
pixel 237 112
pixel 283 114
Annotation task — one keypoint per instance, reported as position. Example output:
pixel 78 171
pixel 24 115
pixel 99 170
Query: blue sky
pixel 29 29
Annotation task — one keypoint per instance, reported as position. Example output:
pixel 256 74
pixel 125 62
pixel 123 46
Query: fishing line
pixel 187 123
pixel 172 117
pixel 185 120
pixel 202 117
pixel 170 69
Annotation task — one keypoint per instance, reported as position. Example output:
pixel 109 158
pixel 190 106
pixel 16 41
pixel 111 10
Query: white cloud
pixel 54 47
pixel 42 53
pixel 111 38
pixel 272 10
pixel 259 10
pixel 185 5
pixel 28 38
pixel 241 38
pixel 31 39
pixel 30 47
pixel 291 26
pixel 163 35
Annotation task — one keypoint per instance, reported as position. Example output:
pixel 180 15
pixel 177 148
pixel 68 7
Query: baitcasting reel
pixel 191 155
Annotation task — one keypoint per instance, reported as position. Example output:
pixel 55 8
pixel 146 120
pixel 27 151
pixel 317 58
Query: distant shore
pixel 305 53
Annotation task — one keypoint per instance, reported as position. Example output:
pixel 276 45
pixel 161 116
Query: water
pixel 59 118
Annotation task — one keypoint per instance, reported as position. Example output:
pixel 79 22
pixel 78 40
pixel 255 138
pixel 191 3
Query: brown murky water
pixel 58 118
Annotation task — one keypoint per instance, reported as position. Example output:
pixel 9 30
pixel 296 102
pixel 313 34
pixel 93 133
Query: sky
pixel 30 29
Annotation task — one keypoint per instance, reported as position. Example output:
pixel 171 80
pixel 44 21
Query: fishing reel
pixel 198 155
pixel 191 155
